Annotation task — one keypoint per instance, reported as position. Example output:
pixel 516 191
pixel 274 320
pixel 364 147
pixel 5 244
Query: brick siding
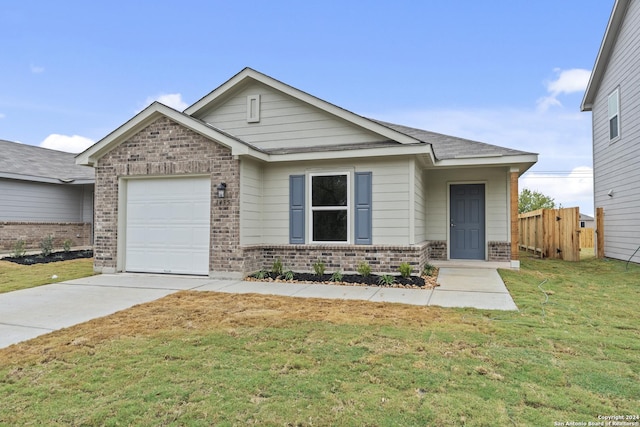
pixel 382 259
pixel 165 148
pixel 33 232
pixel 499 251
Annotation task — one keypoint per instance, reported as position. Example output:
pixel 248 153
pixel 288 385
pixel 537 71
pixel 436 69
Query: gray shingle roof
pixel 22 161
pixel 451 147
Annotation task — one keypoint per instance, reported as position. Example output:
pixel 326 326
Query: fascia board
pixel 302 96
pixel 147 116
pixel 423 150
pixel 488 161
pixel 44 179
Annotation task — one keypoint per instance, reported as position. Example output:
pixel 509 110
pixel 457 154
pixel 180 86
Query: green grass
pixel 571 353
pixel 15 276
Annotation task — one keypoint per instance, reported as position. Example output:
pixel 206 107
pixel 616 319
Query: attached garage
pixel 167 225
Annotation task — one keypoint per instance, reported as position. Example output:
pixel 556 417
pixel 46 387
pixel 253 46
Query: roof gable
pixel 149 115
pixel 604 54
pixel 248 78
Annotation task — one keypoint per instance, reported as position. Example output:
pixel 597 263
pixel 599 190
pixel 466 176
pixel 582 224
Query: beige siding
pixel 390 198
pixel 87 203
pixel 284 122
pixel 617 164
pixel 251 224
pixel 420 206
pixel 496 195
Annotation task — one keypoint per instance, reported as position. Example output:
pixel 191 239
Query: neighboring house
pixel 258 170
pixel 613 97
pixel 43 193
pixel 587 221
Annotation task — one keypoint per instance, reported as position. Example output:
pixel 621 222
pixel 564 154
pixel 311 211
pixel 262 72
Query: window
pixel 614 115
pixel 329 217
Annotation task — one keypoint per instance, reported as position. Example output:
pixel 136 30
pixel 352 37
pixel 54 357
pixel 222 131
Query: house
pixel 258 170
pixel 587 221
pixel 613 97
pixel 43 193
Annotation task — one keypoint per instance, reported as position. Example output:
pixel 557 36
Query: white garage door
pixel 167 226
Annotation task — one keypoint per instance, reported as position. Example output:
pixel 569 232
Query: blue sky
pixel 506 72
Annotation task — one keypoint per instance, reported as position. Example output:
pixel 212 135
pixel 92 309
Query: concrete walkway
pixel 28 313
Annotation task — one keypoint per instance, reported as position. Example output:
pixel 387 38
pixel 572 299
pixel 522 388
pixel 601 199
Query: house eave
pixel 46 179
pixel 148 116
pixel 522 162
pixel 604 53
pixel 422 150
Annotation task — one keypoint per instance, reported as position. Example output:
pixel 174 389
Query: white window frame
pixel 312 209
pixel 611 113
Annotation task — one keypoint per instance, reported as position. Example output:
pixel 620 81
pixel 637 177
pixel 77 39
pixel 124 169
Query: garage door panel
pixel 168 225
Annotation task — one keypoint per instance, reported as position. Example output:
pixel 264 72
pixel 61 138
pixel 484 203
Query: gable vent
pixel 253 108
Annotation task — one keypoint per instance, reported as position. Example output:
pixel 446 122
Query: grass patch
pixel 570 354
pixel 14 276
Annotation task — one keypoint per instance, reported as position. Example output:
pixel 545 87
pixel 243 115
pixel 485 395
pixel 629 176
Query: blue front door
pixel 466 224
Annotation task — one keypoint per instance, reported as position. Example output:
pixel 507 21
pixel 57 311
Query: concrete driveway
pixel 28 313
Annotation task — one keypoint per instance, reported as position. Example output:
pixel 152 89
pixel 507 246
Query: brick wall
pixel 165 148
pixel 437 250
pixel 33 232
pixel 382 259
pixel 499 251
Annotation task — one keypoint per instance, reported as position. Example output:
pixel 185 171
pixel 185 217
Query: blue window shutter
pixel 363 208
pixel 296 209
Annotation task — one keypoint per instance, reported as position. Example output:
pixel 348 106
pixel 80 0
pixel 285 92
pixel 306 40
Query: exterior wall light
pixel 222 189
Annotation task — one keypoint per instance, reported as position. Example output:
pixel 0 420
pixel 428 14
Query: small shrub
pixel 260 275
pixel 386 280
pixel 288 275
pixel 318 268
pixel 66 245
pixel 405 270
pixel 46 246
pixel 337 276
pixel 19 249
pixel 428 269
pixel 364 269
pixel 277 267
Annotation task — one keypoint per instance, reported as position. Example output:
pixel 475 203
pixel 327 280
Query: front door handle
pixel 453 225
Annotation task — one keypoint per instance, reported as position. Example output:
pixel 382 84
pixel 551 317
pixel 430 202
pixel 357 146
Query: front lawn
pixel 15 276
pixel 571 354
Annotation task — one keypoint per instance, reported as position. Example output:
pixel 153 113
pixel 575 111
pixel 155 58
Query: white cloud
pixel 562 140
pixel 568 189
pixel 173 100
pixel 566 82
pixel 36 69
pixel 70 144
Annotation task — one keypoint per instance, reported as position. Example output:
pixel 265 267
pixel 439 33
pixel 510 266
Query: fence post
pixel 599 251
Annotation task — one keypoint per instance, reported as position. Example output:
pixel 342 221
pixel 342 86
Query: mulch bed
pixel 54 257
pixel 412 282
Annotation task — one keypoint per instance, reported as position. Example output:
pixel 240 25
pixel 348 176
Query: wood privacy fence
pixel 587 237
pixel 551 233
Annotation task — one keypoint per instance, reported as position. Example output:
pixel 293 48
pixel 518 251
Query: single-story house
pixel 258 170
pixel 587 221
pixel 43 193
